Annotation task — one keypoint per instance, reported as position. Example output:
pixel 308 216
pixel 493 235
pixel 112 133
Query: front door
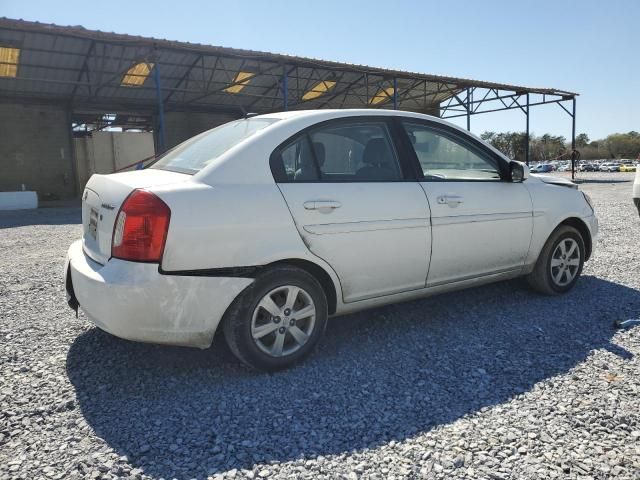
pixel 481 223
pixel 353 207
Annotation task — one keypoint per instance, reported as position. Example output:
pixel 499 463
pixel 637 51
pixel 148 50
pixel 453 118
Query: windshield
pixel 197 152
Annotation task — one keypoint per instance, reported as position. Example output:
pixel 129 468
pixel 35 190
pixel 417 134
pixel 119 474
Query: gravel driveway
pixel 495 382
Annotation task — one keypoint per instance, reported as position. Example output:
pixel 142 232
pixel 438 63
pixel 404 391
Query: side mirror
pixel 518 172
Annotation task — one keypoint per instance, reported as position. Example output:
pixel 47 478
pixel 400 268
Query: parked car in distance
pixel 610 167
pixel 627 167
pixel 586 167
pixel 266 226
pixel 542 168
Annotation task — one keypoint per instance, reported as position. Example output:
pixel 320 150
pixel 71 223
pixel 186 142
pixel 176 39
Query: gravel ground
pixel 491 383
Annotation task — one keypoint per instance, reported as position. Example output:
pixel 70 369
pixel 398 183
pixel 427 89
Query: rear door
pixel 481 223
pixel 355 207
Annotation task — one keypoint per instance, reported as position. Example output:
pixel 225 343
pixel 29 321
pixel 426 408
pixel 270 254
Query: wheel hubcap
pixel 283 321
pixel 565 262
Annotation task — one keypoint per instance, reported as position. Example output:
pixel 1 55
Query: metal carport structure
pixel 92 71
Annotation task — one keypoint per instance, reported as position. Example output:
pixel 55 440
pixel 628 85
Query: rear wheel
pixel 560 262
pixel 277 320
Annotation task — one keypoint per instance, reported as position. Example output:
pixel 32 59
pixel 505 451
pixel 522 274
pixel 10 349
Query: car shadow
pixel 386 374
pixel 40 216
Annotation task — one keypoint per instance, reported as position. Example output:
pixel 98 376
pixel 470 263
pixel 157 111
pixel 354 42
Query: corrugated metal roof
pixel 87 66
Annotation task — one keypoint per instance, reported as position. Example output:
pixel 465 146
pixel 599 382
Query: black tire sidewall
pixel 239 324
pixel 563 234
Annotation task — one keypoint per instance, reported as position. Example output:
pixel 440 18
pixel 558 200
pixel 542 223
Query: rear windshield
pixel 197 152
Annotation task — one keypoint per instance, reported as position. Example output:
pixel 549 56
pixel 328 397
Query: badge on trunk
pixel 93 223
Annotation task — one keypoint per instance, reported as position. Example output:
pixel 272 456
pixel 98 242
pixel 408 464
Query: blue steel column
pixel 285 89
pixel 468 109
pixel 395 93
pixel 156 79
pixel 573 140
pixel 527 140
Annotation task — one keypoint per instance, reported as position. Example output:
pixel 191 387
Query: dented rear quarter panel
pixel 231 225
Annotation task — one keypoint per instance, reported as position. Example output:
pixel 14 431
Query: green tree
pixel 548 147
pixel 623 145
pixel 512 144
pixel 582 140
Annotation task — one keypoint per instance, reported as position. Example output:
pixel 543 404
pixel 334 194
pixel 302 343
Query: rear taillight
pixel 141 228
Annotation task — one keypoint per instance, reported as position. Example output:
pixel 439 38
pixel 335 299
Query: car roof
pixel 333 112
pixel 328 114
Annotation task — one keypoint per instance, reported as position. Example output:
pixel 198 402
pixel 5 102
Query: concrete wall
pixel 105 152
pixel 180 126
pixel 35 150
pixel 433 110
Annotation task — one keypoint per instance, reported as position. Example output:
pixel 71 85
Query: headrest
pixel 424 147
pixel 319 150
pixel 376 152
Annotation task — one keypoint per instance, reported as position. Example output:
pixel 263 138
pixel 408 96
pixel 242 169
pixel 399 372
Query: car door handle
pixel 450 199
pixel 322 205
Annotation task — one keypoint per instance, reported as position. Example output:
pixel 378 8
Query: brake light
pixel 141 228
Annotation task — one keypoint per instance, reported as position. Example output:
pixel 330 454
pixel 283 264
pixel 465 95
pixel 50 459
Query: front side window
pixel 343 152
pixel 442 158
pixel 196 153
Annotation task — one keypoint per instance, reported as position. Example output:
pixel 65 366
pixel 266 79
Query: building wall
pixel 433 110
pixel 35 150
pixel 180 126
pixel 105 152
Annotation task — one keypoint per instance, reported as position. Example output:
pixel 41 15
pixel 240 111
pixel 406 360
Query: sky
pixel 589 46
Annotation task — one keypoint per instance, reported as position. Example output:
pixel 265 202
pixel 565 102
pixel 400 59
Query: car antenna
pixel 246 114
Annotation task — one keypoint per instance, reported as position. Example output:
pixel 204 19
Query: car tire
pixel 260 325
pixel 563 251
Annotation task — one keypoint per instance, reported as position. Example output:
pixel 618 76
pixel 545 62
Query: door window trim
pixel 406 167
pixel 455 136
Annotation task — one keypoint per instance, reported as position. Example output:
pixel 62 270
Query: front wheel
pixel 560 262
pixel 277 320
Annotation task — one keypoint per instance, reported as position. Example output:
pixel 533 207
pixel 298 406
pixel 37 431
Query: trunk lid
pixel 101 202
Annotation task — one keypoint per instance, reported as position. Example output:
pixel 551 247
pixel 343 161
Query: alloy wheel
pixel 565 262
pixel 283 321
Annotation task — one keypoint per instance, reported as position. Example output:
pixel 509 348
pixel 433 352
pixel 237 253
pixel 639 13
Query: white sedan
pixel 268 225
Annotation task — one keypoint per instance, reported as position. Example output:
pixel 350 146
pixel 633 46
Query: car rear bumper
pixel 134 301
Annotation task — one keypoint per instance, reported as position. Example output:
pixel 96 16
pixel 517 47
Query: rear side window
pixel 197 152
pixel 298 161
pixel 344 152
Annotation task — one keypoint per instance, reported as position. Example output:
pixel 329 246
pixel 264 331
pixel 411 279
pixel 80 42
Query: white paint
pixel 388 251
pixel 18 200
pixel 488 231
pixel 133 301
